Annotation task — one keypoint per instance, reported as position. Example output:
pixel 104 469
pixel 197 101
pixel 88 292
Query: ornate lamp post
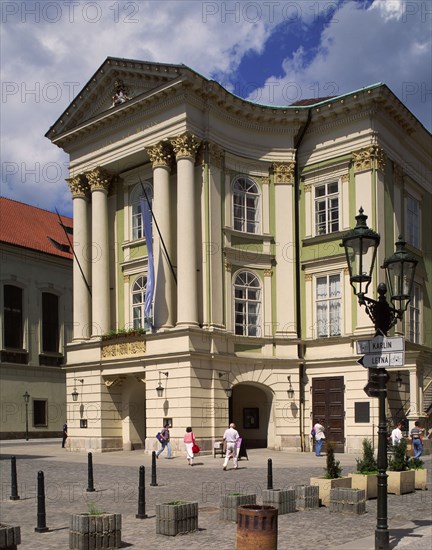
pixel 361 244
pixel 26 401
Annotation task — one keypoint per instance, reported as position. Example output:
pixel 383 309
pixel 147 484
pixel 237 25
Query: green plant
pixel 399 462
pixel 333 468
pixel 123 333
pixel 416 464
pixel 367 463
pixel 176 502
pixel 92 510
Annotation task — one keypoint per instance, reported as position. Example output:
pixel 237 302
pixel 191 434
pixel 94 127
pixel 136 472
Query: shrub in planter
pixel 332 477
pixel 401 479
pixel 367 468
pixel 420 473
pixel 94 529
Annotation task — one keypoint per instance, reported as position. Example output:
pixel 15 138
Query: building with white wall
pixel 36 319
pixel 252 290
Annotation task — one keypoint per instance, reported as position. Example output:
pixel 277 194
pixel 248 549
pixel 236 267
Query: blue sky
pixel 272 52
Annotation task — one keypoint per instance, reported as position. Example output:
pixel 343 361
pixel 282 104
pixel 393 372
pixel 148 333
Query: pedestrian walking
pixel 230 437
pixel 189 441
pixel 165 442
pixel 319 436
pixel 416 436
pixel 396 435
pixel 65 435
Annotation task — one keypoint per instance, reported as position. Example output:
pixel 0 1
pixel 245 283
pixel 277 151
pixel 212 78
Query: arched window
pixel 138 295
pixel 246 201
pixel 247 304
pixel 137 193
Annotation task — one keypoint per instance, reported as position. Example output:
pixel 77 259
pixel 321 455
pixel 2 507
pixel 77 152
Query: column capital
pixel 283 172
pixel 99 179
pixel 79 186
pixel 185 145
pixel 160 154
pixel 369 158
pixel 215 154
pixel 398 174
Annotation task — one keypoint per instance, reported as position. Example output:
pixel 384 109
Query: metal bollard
pixel 269 474
pixel 41 515
pixel 14 482
pixel 153 472
pixel 90 484
pixel 141 495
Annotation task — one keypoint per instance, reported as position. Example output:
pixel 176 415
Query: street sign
pixel 382 360
pixel 381 344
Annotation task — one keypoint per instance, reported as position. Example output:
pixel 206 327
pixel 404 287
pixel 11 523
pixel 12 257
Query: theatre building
pixel 253 316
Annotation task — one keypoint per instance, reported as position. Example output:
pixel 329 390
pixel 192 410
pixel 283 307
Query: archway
pixel 250 408
pixel 134 414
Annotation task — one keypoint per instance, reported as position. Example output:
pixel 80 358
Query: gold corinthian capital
pixel 79 186
pixel 160 154
pixel 99 179
pixel 185 145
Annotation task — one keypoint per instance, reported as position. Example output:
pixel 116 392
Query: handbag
pixel 159 437
pixel 195 449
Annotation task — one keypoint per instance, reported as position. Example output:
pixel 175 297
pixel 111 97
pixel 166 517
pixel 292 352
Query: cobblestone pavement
pixel 116 482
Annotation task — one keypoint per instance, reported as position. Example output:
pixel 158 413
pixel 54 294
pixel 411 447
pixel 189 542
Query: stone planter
pixel 307 497
pixel 348 501
pixel 230 503
pixel 366 482
pixel 10 536
pixel 400 483
pixel 176 518
pixel 325 486
pixel 421 479
pixel 284 501
pixel 88 532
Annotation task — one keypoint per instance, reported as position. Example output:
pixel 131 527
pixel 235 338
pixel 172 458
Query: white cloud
pixel 364 47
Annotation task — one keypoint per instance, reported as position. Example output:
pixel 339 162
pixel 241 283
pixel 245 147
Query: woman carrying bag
pixel 191 447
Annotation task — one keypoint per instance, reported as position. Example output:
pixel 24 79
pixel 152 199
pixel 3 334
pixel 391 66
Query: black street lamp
pixel 26 401
pixel 361 244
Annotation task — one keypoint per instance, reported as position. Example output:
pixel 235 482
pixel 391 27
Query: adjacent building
pixel 36 319
pixel 253 320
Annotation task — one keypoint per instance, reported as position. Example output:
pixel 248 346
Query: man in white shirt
pixel 396 435
pixel 230 437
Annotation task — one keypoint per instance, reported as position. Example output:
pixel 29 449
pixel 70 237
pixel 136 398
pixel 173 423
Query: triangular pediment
pixel 113 85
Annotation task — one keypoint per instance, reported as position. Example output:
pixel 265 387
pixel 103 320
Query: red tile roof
pixel 33 228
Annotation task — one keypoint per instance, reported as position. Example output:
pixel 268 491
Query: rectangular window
pixel 328 306
pixel 414 315
pixel 326 208
pixel 40 413
pixel 413 221
pixel 50 323
pixel 13 317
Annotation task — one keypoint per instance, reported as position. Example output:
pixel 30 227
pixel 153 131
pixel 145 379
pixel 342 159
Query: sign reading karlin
pixel 382 360
pixel 381 344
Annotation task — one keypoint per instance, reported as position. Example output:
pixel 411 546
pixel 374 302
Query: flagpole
pixel 73 252
pixel 158 230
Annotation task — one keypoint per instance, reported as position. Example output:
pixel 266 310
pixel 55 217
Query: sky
pixel 271 52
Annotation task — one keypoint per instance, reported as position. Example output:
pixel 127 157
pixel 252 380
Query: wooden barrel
pixel 257 527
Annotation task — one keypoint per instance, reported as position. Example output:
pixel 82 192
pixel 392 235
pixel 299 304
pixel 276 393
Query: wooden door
pixel 328 404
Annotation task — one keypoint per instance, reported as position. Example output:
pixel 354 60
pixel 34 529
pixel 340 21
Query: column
pixel 99 183
pixel 285 249
pixel 160 158
pixel 81 263
pixel 185 147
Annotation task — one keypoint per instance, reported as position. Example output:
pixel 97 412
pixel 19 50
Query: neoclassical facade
pixel 253 317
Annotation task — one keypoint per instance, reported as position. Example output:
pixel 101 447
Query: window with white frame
pixel 247 304
pixel 413 221
pixel 246 201
pixel 328 305
pixel 326 197
pixel 138 296
pixel 136 195
pixel 413 332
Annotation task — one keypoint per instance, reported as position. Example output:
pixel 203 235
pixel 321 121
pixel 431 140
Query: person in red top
pixel 189 441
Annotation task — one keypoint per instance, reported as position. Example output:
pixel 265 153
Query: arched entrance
pixel 134 414
pixel 250 408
